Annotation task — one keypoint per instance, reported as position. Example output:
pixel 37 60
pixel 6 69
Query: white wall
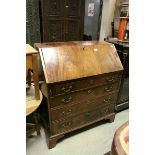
pixel 107 18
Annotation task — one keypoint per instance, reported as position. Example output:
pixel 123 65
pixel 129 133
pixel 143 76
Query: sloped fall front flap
pixel 72 60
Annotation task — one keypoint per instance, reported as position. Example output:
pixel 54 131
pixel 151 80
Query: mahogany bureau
pixel 82 81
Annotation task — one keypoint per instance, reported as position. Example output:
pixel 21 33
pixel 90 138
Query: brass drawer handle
pixel 110 79
pixel 107 100
pixel 67 99
pixel 108 89
pixel 89 91
pixel 104 112
pixel 67 89
pixel 67 112
pixel 66 124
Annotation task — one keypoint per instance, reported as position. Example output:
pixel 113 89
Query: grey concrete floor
pixel 94 141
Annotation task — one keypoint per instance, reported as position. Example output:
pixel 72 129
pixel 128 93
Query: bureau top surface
pixel 72 60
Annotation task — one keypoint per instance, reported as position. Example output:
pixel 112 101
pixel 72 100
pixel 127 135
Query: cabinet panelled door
pixel 62 20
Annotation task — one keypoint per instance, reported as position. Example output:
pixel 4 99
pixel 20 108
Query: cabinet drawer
pixel 72 110
pixel 84 95
pixel 80 84
pixel 87 117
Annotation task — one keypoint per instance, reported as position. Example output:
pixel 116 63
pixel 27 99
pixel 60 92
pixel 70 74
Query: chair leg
pixel 34 126
pixel 36 119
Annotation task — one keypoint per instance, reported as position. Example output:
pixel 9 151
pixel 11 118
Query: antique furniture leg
pixel 112 118
pixel 52 141
pixel 29 77
pixel 35 75
pixel 36 118
pixel 32 127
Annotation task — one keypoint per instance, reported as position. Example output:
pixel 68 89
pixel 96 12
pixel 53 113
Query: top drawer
pixel 80 84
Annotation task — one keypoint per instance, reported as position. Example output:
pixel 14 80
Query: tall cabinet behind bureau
pixel 62 20
pixel 82 81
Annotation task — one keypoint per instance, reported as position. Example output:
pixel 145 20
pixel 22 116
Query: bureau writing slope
pixel 82 81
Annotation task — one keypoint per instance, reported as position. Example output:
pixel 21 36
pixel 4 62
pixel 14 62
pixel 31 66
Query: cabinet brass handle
pixel 108 89
pixel 107 100
pixel 110 79
pixel 67 112
pixel 67 89
pixel 66 100
pixel 66 124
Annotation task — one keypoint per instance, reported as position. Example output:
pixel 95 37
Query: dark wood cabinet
pixel 62 20
pixel 82 81
pixel 54 7
pixel 54 31
pixel 123 52
pixel 123 100
pixel 73 8
pixel 72 31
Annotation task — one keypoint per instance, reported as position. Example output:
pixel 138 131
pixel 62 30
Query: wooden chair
pixel 33 100
pixel 32 66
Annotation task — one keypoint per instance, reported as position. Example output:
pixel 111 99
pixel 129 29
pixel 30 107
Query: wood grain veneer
pixel 82 81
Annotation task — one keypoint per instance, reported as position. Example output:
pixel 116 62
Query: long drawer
pixel 84 95
pixel 87 117
pixel 74 109
pixel 80 84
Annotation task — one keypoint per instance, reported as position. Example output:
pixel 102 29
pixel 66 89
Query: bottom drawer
pixel 87 117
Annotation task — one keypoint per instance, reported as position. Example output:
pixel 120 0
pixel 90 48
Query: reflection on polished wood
pixel 72 60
